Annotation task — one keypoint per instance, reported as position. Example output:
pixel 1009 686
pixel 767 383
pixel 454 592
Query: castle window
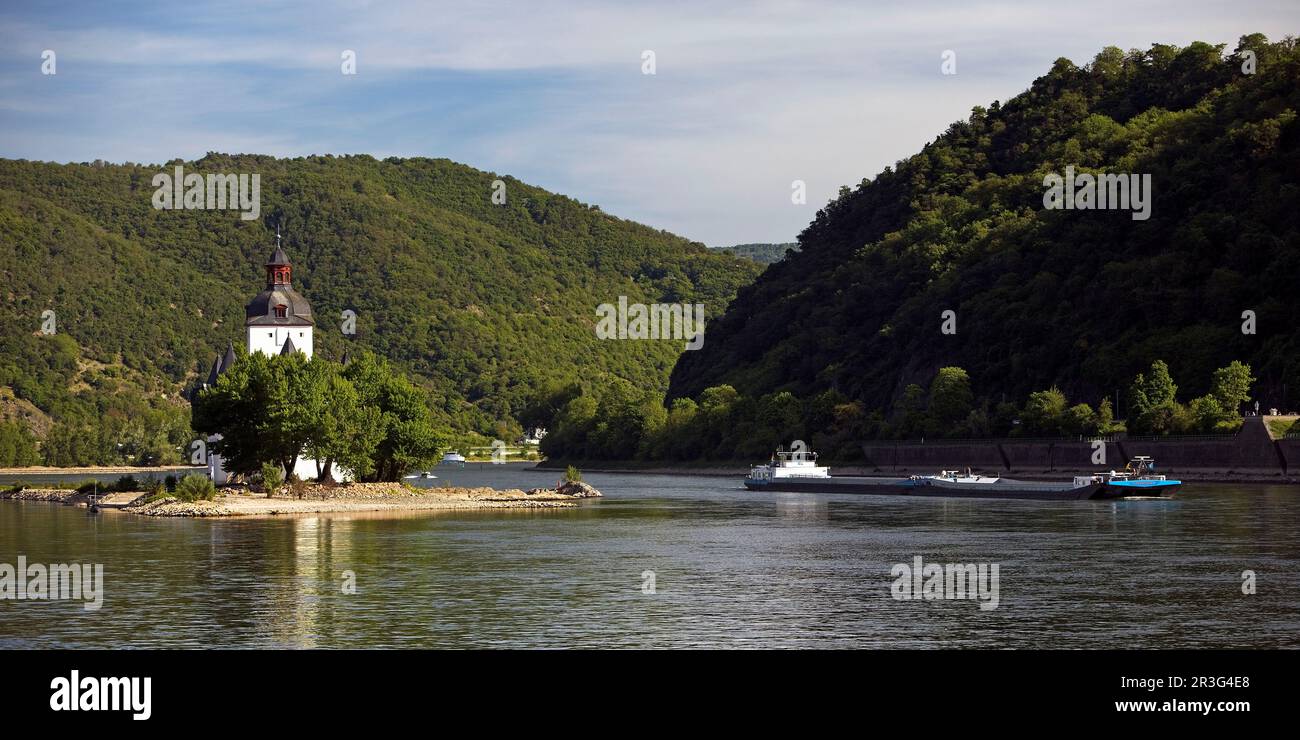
pixel 281 311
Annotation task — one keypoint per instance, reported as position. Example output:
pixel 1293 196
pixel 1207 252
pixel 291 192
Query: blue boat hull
pixel 1143 488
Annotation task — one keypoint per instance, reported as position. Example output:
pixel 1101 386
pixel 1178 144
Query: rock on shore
pixel 57 495
pixel 573 488
pixel 172 506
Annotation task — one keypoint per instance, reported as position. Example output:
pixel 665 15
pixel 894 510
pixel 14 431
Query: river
pixel 676 561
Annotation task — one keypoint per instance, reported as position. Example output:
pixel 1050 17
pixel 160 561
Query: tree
pixel 781 414
pixel 1159 386
pixel 718 399
pixel 1044 412
pixel 1153 408
pixel 909 411
pixel 406 434
pixel 1206 412
pixel 1080 420
pixel 262 409
pixel 541 410
pixel 680 437
pixel 293 405
pixel 1105 416
pixel 366 418
pixel 568 436
pixel 1230 387
pixel 342 430
pixel 950 399
pixel 17 445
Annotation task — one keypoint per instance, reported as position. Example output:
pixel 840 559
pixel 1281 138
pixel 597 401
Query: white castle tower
pixel 277 321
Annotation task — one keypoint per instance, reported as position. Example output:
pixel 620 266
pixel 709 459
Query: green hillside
pixel 764 254
pixel 483 303
pixel 1080 299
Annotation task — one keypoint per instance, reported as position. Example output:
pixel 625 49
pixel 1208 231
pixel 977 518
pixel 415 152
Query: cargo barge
pixel 797 471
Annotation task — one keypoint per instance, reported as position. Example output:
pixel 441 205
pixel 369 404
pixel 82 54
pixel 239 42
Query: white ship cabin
pixel 790 464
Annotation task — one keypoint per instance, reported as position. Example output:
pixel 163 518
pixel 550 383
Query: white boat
pixel 789 464
pixel 797 471
pixel 453 458
pixel 425 474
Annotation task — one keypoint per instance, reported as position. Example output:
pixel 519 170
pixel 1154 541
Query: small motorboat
pixel 453 458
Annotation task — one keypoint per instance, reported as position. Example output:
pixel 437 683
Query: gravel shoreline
pixel 367 497
pixel 318 499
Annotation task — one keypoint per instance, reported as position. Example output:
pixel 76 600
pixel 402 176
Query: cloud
pixel 747 96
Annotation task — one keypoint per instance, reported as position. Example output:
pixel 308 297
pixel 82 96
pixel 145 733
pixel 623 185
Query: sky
pixel 745 99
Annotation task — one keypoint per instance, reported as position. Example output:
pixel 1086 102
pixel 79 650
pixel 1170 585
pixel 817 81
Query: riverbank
pixel 317 499
pixel 1251 455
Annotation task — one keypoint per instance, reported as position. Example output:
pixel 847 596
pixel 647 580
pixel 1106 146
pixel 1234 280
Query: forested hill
pixel 1084 299
pixel 762 253
pixel 484 302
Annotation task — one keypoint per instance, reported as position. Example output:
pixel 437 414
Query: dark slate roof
pixel 216 370
pixel 229 360
pixel 261 310
pixel 288 347
pixel 278 257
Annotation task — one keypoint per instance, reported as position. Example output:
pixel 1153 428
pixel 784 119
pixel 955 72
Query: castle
pixel 277 321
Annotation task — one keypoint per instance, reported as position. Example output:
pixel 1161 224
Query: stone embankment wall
pixel 1250 452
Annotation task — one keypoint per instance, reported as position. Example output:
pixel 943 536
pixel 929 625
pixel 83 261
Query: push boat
pixel 1139 479
pixel 797 471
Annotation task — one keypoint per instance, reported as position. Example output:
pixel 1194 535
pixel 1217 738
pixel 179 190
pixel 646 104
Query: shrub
pixel 272 478
pixel 90 486
pixel 157 490
pixel 1080 420
pixel 170 482
pixel 572 475
pixel 126 483
pixel 195 487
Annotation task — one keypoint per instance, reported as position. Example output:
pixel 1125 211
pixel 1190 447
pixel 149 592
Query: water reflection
pixel 731 568
pixel 796 507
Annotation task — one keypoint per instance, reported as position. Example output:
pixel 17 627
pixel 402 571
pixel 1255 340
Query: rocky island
pixel 238 501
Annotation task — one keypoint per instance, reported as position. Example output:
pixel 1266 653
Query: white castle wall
pixel 270 339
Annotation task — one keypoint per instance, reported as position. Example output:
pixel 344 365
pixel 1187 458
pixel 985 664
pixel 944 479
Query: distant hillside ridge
pixel 1083 299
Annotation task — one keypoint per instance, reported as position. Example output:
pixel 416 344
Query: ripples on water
pixel 731 569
